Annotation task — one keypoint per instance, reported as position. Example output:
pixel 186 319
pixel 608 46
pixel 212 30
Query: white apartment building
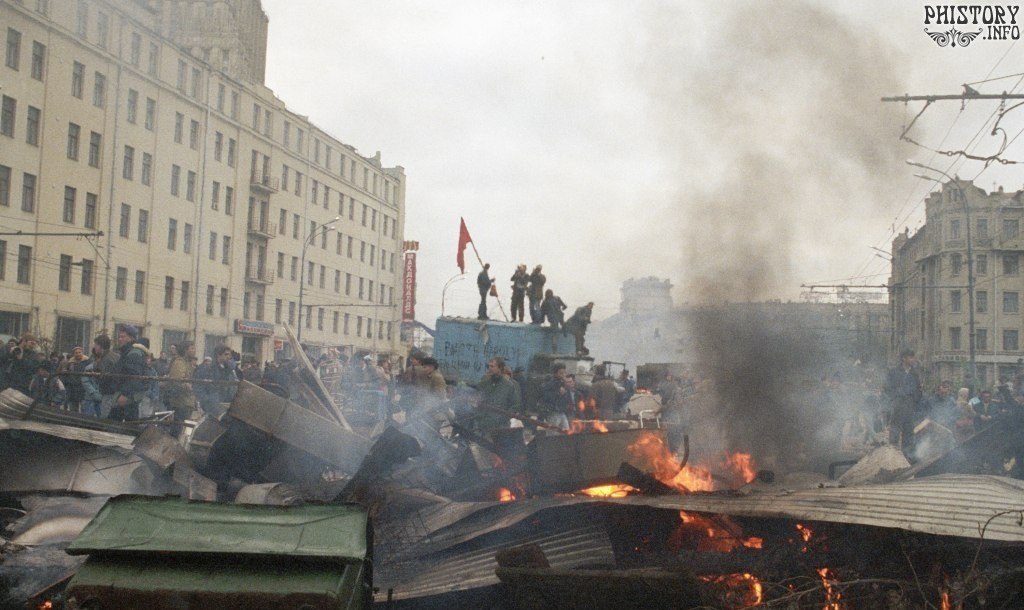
pixel 148 121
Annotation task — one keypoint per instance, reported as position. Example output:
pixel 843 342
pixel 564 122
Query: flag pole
pixel 501 307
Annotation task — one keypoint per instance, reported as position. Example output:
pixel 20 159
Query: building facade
pixel 931 292
pixel 148 121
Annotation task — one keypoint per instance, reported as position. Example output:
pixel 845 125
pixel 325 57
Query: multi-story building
pixel 148 121
pixel 930 287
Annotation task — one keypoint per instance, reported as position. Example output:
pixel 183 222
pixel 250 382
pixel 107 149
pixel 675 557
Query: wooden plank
pixel 309 375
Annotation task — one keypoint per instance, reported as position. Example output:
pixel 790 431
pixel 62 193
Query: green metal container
pixel 154 553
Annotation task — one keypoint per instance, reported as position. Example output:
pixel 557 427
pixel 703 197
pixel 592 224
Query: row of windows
pixel 24 263
pixel 9 116
pixel 1011 228
pixel 1010 262
pixel 28 189
pixel 1011 301
pixel 1011 339
pixel 12 56
pixel 64 274
pixel 340 323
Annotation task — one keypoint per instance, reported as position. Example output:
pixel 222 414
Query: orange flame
pixel 47 605
pixel 608 491
pixel 946 605
pixel 651 449
pixel 832 596
pixel 742 464
pixel 721 535
pixel 577 426
pixel 505 495
pixel 742 590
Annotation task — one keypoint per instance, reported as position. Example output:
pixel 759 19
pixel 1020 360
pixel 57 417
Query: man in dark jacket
pixel 496 391
pixel 132 363
pixel 76 391
pixel 483 284
pixel 577 326
pixel 221 369
pixel 536 294
pixel 519 283
pixel 903 393
pixel 104 360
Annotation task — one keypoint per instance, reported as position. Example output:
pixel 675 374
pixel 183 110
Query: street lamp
pixel 444 290
pixel 970 263
pixel 302 267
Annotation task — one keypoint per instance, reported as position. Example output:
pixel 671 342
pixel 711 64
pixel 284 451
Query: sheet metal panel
pixel 73 433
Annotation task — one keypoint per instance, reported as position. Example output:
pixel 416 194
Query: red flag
pixel 464 239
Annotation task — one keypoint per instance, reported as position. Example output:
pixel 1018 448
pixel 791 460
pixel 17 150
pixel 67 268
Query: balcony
pixel 259 181
pixel 262 228
pixel 259 276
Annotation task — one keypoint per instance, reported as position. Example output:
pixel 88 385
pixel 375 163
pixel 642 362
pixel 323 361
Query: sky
pixel 738 148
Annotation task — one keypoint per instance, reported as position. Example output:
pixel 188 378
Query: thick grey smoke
pixel 781 142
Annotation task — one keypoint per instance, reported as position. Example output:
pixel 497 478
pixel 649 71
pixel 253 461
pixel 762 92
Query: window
pixel 190 186
pixel 954 337
pixel 334 324
pixel 186 239
pixel 126 220
pixel 287 134
pixel 362 251
pixel 147 169
pixel 193 135
pixel 226 254
pixel 5 186
pixel 143 226
pixel 1011 302
pixel 182 75
pixel 1011 264
pixel 74 132
pixel 365 209
pixel 121 284
pixel 213 246
pixel 284 178
pixel 179 127
pixel 135 54
pixel 291 312
pixel 102 29
pixel 981 301
pixel 316 150
pixel 278 309
pixel 218 146
pixel 1011 340
pixel 77 79
pixel 140 286
pixel 150 113
pixel 298 183
pixel 24 264
pixel 323 276
pixel 209 299
pixel 295 268
pixel 7 111
pixel 1011 228
pixel 320 318
pixel 280 265
pixel 13 48
pixel 175 180
pixel 172 234
pixel 168 292
pixel 223 302
pixel 346 322
pixel 229 200
pixel 295 226
pixel 99 91
pixel 69 205
pixel 268 123
pixel 95 142
pixel 282 221
pixel 348 246
pixel 309 272
pixel 38 60
pixel 981 230
pixel 257 112
pixel 197 79
pixel 234 105
pixel 186 288
pixel 981 338
pixel 220 100
pixel 299 136
pixel 91 203
pixel 28 193
pixel 32 126
pixel 64 273
pixel 337 244
pixel 215 196
pixel 128 171
pixel 981 264
pixel 337 281
pixel 153 59
pixel 309 316
pixel 231 152
pixel 87 267
pixel 132 113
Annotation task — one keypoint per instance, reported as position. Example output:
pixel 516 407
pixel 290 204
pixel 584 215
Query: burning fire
pixel 741 590
pixel 653 452
pixel 505 495
pixel 805 534
pixel 577 426
pixel 608 491
pixel 832 595
pixel 47 605
pixel 719 534
pixel 946 605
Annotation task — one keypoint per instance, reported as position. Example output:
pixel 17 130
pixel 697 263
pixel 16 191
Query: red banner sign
pixel 409 288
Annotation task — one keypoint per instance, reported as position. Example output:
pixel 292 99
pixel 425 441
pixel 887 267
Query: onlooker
pixel 221 371
pixel 178 395
pixel 483 284
pixel 520 281
pixel 903 392
pixel 45 388
pixel 536 294
pixel 131 367
pixel 606 395
pixel 104 361
pixel 553 308
pixel 496 392
pixel 75 388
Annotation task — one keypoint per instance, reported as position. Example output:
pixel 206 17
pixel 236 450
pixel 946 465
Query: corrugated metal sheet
pixel 17 406
pixel 173 525
pixel 947 505
pixel 475 568
pixel 74 433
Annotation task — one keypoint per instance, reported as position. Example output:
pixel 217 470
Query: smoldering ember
pixel 215 391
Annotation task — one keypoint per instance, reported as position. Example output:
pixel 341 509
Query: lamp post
pixel 970 265
pixel 444 290
pixel 302 267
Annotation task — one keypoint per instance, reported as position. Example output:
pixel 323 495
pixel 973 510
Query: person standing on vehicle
pixel 536 295
pixel 483 284
pixel 520 281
